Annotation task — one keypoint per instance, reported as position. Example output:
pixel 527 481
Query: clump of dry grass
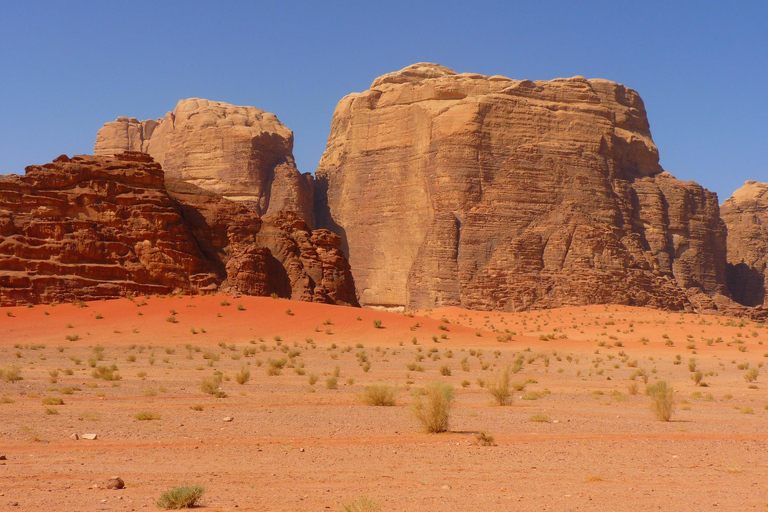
pixel 211 385
pixel 243 376
pixel 185 496
pixel 662 399
pixel 12 374
pixel 433 410
pixel 499 389
pixel 108 373
pixel 147 416
pixel 484 439
pixel 362 504
pixel 751 375
pixel 379 395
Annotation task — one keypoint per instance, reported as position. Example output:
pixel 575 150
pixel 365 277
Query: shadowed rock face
pixel 93 227
pixel 492 193
pixel 241 153
pixel 746 215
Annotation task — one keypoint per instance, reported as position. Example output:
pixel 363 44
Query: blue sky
pixel 68 67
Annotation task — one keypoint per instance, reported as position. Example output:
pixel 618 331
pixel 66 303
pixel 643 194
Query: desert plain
pixel 155 378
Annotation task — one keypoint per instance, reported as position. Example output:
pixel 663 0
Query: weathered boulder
pixel 492 193
pixel 746 215
pixel 92 227
pixel 241 153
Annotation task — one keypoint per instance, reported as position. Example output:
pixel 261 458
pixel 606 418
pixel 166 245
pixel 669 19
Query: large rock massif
pixel 94 227
pixel 241 153
pixel 492 193
pixel 746 215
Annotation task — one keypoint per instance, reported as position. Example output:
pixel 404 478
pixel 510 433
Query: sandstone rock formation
pixel 241 153
pixel 93 227
pixel 746 215
pixel 493 193
pixel 275 254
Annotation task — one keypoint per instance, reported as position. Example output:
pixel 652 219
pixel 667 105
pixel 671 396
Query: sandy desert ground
pixel 579 434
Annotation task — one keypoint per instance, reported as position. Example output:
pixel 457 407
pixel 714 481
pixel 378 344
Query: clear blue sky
pixel 68 67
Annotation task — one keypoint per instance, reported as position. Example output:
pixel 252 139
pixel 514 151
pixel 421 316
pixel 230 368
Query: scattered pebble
pixel 228 419
pixel 3 457
pixel 74 436
pixel 447 487
pixel 90 437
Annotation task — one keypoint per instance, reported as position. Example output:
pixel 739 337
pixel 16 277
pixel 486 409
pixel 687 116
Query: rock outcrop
pixel 241 153
pixel 492 193
pixel 275 254
pixel 93 227
pixel 746 215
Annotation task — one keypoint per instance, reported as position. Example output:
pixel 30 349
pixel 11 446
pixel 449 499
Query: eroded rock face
pixel 278 253
pixel 746 215
pixel 92 227
pixel 241 153
pixel 492 193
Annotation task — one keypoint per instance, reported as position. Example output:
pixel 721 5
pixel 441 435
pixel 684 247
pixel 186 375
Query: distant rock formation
pixel 92 227
pixel 241 153
pixel 746 215
pixel 492 193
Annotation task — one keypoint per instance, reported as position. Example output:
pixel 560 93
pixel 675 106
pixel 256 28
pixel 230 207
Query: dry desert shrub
pixel 12 374
pixel 751 375
pixel 211 385
pixel 185 496
pixel 433 409
pixel 362 504
pixel 484 439
pixel 499 389
pixel 662 399
pixel 379 395
pixel 243 376
pixel 147 416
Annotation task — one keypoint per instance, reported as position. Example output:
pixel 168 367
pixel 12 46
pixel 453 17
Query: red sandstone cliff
pixel 241 153
pixel 92 227
pixel 493 193
pixel 746 215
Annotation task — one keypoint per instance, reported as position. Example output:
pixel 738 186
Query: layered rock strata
pixel 241 153
pixel 746 215
pixel 492 193
pixel 93 227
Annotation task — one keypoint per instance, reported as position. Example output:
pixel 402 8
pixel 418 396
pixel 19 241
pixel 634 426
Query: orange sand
pixel 295 446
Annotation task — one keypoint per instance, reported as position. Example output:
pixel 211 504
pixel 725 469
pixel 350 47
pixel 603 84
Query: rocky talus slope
pixel 90 227
pixel 241 153
pixel 746 215
pixel 493 193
